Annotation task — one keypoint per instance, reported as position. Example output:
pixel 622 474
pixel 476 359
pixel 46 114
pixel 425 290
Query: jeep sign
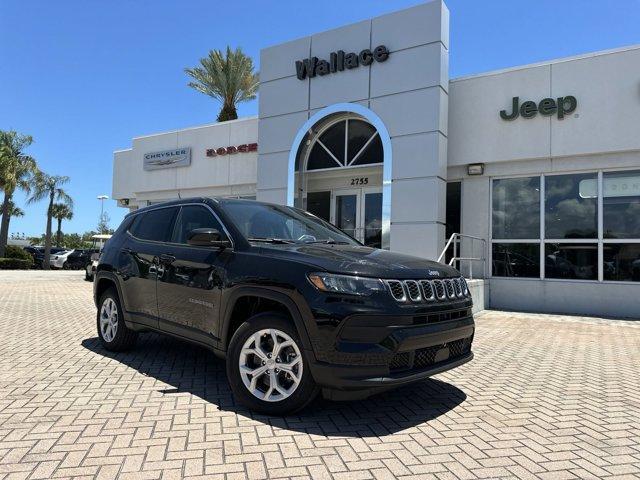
pixel 547 106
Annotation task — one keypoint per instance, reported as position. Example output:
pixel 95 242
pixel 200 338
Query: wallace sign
pixel 338 61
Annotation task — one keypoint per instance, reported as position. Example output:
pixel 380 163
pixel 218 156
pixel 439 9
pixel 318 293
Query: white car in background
pixel 98 242
pixel 57 260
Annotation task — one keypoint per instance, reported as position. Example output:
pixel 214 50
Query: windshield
pixel 279 224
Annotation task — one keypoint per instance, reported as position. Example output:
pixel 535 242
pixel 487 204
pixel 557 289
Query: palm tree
pixel 16 171
pixel 228 78
pixel 49 187
pixel 61 211
pixel 14 211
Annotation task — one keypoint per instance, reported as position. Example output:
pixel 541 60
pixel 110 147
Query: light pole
pixel 102 198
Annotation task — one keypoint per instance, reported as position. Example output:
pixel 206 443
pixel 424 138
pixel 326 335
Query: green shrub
pixel 15 264
pixel 14 251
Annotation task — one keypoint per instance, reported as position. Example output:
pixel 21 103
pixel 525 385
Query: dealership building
pixel 537 167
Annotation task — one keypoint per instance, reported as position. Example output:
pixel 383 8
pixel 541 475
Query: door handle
pixel 167 259
pixel 127 250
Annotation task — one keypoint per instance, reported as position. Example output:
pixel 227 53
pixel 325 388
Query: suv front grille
pixel 457 284
pixel 427 290
pixel 429 356
pixel 465 287
pixel 439 288
pixel 451 292
pixel 397 290
pixel 414 290
pixel 420 291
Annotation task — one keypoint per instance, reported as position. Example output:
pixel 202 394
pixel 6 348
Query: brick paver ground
pixel 546 397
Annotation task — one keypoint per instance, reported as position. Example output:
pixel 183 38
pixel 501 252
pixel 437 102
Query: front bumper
pixel 374 353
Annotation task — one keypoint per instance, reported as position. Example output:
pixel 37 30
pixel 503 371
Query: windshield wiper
pixel 270 240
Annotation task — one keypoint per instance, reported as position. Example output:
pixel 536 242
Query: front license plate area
pixel 442 355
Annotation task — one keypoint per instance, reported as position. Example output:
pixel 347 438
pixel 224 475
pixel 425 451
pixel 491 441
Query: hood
pixel 360 260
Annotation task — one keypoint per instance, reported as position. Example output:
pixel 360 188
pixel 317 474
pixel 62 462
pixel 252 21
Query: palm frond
pixel 228 77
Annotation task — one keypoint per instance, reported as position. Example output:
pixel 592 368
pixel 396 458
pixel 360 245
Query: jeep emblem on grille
pixel 433 273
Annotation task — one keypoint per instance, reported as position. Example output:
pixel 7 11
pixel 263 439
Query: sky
pixel 85 76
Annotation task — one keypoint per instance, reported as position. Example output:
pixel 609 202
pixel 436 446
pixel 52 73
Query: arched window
pixel 347 142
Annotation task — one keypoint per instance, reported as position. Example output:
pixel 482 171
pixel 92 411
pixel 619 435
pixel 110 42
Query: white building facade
pixel 362 126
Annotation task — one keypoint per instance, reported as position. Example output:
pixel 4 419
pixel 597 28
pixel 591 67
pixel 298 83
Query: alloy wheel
pixel 109 319
pixel 271 365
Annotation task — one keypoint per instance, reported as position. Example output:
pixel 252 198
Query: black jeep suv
pixel 294 305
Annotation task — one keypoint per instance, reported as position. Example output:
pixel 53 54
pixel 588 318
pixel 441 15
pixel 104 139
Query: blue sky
pixel 84 77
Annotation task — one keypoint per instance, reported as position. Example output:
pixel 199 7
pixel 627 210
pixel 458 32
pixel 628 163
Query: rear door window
pixel 155 225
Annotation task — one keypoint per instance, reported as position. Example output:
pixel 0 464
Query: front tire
pixel 113 333
pixel 267 368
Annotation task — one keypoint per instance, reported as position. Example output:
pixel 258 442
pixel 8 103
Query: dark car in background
pixel 294 305
pixel 78 259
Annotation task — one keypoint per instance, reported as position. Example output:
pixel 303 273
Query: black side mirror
pixel 207 237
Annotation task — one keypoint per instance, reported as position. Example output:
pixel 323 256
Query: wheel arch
pixel 288 306
pixel 104 280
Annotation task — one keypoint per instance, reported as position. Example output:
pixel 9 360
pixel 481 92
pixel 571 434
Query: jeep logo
pixel 338 61
pixel 547 106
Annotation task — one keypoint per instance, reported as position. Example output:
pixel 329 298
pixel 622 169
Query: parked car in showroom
pixel 294 305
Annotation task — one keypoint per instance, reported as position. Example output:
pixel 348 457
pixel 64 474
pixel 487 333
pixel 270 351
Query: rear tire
pixel 280 388
pixel 113 333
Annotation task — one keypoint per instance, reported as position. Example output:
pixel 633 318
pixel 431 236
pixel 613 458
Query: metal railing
pixel 454 239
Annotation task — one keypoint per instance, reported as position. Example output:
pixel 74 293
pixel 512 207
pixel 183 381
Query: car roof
pixel 184 201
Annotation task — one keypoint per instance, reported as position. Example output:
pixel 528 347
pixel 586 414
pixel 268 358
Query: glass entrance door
pixel 347 212
pixel 372 218
pixel 358 212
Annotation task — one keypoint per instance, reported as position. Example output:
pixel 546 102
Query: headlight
pixel 328 282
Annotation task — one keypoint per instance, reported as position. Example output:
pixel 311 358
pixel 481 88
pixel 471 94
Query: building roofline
pixel 196 127
pixel 547 62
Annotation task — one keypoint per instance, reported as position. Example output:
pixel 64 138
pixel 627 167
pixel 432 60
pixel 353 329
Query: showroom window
pixel 582 226
pixel 516 236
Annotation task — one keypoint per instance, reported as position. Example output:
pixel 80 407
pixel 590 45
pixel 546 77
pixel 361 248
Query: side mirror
pixel 207 237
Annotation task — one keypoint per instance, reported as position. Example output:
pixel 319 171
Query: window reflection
pixel 622 261
pixel 516 260
pixel 570 212
pixel 516 208
pixel 571 261
pixel 621 205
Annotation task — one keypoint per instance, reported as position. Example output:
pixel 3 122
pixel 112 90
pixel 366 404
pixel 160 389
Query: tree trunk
pixel 59 233
pixel 46 265
pixel 4 228
pixel 228 112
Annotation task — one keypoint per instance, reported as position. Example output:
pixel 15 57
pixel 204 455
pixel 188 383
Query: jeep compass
pixel 294 305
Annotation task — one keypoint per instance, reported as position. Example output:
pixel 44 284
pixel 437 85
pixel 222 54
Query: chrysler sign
pixel 338 61
pixel 179 157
